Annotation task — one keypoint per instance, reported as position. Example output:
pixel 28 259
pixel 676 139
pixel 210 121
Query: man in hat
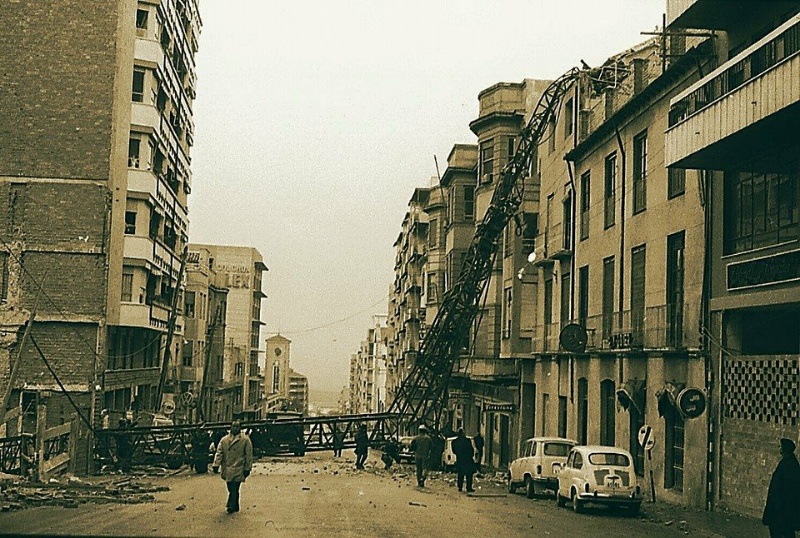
pixel 422 445
pixel 235 457
pixel 465 463
pixel 782 510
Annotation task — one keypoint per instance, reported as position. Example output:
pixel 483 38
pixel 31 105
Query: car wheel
pixel 577 504
pixel 530 488
pixel 512 487
pixel 561 502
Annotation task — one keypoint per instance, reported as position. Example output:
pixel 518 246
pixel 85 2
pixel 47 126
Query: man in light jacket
pixel 235 457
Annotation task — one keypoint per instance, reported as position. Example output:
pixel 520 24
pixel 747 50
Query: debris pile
pixel 16 493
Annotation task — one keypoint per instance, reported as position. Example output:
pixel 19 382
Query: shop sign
pixel 691 402
pixel 493 408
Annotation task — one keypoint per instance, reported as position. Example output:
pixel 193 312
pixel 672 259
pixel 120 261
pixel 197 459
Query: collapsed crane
pixel 423 393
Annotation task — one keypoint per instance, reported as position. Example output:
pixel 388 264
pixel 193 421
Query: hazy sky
pixel 315 121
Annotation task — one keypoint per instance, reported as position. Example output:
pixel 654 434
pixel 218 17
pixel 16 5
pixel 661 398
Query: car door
pixel 518 464
pixel 565 476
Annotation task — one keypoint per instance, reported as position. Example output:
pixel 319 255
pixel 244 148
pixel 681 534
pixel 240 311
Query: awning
pixel 632 395
pixel 668 397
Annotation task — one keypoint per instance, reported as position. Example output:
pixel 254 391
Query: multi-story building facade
pixel 298 393
pixel 368 370
pixel 734 130
pixel 200 369
pixel 241 269
pixel 98 179
pixel 276 372
pixel 406 302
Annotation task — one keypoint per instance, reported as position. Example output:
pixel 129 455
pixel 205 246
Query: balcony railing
pixel 657 327
pixel 783 44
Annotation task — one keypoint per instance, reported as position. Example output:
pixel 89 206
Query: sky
pixel 316 120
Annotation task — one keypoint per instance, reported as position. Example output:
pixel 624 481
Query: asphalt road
pixel 319 496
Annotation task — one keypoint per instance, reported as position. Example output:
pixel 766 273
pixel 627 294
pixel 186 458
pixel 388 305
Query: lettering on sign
pixel 692 402
pixel 490 408
pixel 620 341
pixel 769 270
pixel 237 280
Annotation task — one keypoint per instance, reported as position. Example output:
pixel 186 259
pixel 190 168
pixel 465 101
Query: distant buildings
pixel 285 389
pixel 368 371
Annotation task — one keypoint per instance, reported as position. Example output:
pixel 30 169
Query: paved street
pixel 319 496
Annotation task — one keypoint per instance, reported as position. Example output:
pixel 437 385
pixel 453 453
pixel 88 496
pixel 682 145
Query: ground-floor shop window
pixel 673 456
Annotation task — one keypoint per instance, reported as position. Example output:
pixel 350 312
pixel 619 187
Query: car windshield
pixel 556 449
pixel 609 458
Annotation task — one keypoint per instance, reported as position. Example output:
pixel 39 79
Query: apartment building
pixel 368 379
pixel 199 373
pixel 298 393
pixel 735 130
pixel 242 269
pixel 97 179
pixel 406 302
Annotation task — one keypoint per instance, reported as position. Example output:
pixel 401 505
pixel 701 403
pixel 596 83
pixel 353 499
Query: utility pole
pixel 15 367
pixel 209 345
pixel 173 316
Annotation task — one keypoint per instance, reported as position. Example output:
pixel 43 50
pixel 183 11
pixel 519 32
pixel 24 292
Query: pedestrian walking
pixel 124 449
pixel 338 443
pixel 362 446
pixel 422 445
pixel 391 453
pixel 478 441
pixel 235 458
pixel 782 509
pixel 465 462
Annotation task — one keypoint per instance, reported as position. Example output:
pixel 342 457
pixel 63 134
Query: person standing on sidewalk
pixel 422 445
pixel 235 457
pixel 465 464
pixel 782 510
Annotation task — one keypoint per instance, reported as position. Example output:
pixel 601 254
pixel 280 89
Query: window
pixel 531 228
pixel 433 233
pixel 155 224
pixel 130 222
pixel 562 416
pixel 610 189
pixel 188 304
pixel 188 351
pixel 134 145
pixel 507 311
pixel 276 378
pixel 583 411
pixel 638 268
pixel 640 172
pixel 137 92
pixel 583 294
pixel 566 223
pixel 545 402
pixel 141 18
pixel 238 370
pixel 551 135
pixel 469 202
pixel 569 119
pixel 673 449
pixel 585 203
pixel 675 271
pixel 566 284
pixel 127 287
pixel 676 182
pixel 761 209
pixel 577 461
pixel 608 295
pixel 432 291
pixel 487 161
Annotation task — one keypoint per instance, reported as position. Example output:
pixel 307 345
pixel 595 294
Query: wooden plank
pixel 52 464
pixel 11 415
pixel 56 431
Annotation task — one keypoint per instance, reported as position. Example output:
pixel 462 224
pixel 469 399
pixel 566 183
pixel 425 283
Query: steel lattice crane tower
pixel 423 393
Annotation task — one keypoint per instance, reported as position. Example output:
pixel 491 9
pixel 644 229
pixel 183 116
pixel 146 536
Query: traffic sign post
pixel 647 442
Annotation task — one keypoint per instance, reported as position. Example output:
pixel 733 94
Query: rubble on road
pixel 17 493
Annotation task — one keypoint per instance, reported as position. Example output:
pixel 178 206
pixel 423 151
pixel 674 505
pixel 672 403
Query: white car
pixel 540 461
pixel 599 475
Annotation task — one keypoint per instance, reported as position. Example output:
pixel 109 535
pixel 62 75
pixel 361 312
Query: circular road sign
pixel 168 407
pixel 646 437
pixel 692 402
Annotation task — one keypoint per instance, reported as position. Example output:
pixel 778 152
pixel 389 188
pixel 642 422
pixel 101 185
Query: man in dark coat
pixel 782 510
pixel 465 464
pixel 422 446
pixel 362 446
pixel 478 440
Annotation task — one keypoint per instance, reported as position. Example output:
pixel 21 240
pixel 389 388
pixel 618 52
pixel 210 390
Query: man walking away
pixel 235 457
pixel 421 445
pixel 782 510
pixel 362 446
pixel 338 443
pixel 465 464
pixel 478 441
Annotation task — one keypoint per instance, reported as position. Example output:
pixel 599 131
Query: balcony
pixel 145 115
pixel 741 107
pixel 149 51
pixel 485 369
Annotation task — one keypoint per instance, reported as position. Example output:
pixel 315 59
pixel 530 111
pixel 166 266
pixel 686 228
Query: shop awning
pixel 632 395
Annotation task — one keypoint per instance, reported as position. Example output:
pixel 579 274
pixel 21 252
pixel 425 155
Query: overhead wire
pixel 332 323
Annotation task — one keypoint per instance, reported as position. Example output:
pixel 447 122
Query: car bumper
pixel 545 482
pixel 610 500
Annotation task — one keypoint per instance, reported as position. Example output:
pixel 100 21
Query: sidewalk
pixel 699 523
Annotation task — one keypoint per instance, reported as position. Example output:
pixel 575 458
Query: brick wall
pixel 74 283
pixel 69 348
pixel 749 455
pixel 56 87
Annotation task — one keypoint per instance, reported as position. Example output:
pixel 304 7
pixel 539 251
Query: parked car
pixel 448 456
pixel 599 475
pixel 406 454
pixel 539 463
